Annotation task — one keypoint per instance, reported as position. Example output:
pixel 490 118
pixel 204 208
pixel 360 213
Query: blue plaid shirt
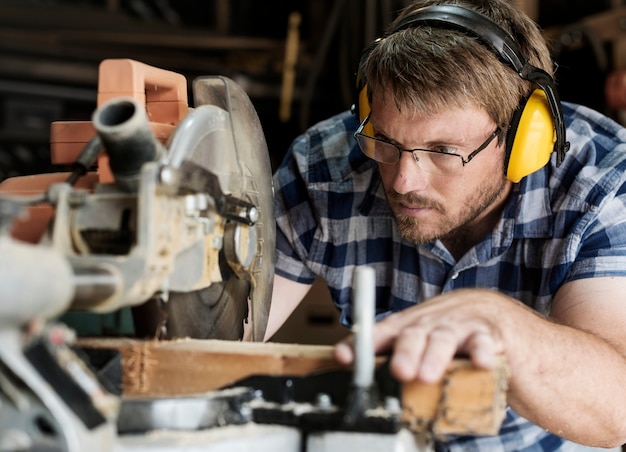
pixel 559 224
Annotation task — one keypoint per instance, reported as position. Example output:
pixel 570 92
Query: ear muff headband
pixel 503 45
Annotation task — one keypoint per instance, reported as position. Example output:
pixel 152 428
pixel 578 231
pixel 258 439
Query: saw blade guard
pixel 223 135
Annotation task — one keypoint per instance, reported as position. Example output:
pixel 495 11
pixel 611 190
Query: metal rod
pixel 364 298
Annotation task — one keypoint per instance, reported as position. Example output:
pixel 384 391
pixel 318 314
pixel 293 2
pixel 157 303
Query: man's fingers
pixel 482 349
pixel 384 336
pixel 441 346
pixel 407 353
pixel 424 353
pixel 424 346
pixel 344 352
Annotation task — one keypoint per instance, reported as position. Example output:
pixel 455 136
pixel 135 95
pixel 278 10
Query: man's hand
pixel 424 339
pixel 566 369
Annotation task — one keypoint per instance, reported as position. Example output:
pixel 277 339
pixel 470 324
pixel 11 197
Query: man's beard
pixel 456 227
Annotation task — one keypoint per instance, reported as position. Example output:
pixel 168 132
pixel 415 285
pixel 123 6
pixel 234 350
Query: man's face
pixel 431 206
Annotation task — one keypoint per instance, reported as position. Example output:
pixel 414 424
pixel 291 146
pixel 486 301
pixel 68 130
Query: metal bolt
pixel 392 405
pixel 323 401
pixel 246 413
pixel 253 215
pixel 168 176
pixel 201 201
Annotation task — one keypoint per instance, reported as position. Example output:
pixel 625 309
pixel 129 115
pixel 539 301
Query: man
pixel 493 250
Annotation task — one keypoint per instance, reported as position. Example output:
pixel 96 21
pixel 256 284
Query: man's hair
pixel 432 68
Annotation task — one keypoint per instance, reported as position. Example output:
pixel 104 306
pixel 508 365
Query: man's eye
pixel 444 150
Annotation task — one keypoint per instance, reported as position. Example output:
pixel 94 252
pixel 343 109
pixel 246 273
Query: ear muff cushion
pixel 531 137
pixel 363 105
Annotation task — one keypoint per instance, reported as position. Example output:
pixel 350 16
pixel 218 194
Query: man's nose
pixel 409 175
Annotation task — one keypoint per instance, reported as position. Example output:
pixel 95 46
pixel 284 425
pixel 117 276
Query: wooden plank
pixel 188 366
pixel 467 401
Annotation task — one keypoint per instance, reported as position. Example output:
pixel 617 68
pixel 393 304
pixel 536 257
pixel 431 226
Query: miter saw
pixel 184 220
pixel 166 205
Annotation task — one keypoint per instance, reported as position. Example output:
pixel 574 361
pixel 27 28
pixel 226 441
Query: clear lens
pixel 378 150
pixel 431 162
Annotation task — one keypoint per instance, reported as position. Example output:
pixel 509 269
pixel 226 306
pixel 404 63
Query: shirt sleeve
pixel 591 216
pixel 600 243
pixel 293 208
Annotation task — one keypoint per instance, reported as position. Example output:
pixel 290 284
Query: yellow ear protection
pixel 537 128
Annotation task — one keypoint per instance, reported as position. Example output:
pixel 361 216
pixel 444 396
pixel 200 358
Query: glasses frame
pixel 465 161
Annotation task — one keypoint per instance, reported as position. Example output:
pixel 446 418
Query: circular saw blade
pixel 231 145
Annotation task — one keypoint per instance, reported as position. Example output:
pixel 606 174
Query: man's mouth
pixel 413 208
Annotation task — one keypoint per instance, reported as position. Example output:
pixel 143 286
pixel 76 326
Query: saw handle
pixel 163 92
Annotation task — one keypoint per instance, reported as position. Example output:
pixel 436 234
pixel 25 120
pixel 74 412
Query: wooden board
pixel 466 401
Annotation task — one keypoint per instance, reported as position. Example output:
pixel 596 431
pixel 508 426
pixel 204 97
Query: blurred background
pixel 50 51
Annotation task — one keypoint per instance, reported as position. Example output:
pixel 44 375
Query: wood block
pixel 466 401
pixel 190 366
